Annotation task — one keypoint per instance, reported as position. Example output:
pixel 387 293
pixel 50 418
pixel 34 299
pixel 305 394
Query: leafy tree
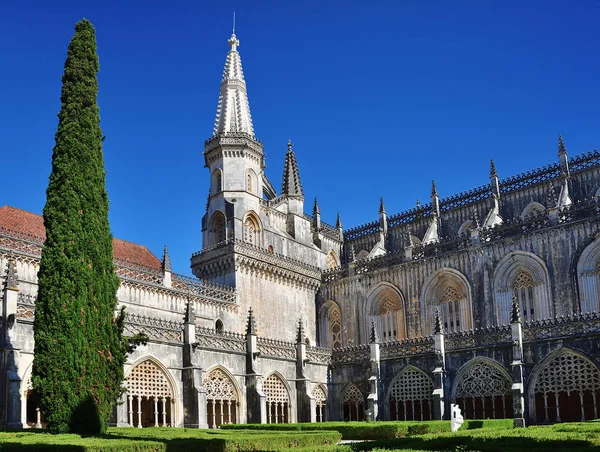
pixel 79 349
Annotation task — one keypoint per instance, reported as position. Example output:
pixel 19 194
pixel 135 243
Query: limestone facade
pixel 487 299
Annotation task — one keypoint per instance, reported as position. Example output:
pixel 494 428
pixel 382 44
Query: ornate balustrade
pixel 205 289
pixel 465 198
pixel 25 306
pixel 318 355
pixel 155 328
pixel 406 347
pixel 584 161
pixel 573 325
pixel 351 355
pixel 276 349
pixel 480 337
pixel 334 274
pixel 210 339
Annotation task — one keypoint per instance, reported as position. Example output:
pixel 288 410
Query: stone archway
pixel 222 398
pixel 354 404
pixel 278 405
pixel 320 397
pixel 150 395
pixel 410 396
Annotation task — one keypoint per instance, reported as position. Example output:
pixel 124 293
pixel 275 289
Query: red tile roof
pixel 24 222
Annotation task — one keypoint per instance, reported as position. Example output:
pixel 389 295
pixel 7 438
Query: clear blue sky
pixel 378 98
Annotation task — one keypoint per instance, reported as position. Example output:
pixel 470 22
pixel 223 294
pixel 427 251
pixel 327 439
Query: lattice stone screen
pixel 221 396
pixel 410 396
pixel 148 380
pixel 568 389
pixel 485 391
pixel 278 400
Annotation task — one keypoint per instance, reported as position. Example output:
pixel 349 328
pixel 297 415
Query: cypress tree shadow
pixel 86 419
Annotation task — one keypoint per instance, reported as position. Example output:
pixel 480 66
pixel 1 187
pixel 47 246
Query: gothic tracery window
pixel 386 310
pixel 251 230
pixel 450 308
pixel 354 404
pixel 221 398
pixel 523 290
pixel 320 403
pixel 410 396
pixel 331 260
pixel 567 389
pixel 218 228
pixel 149 396
pixel 335 328
pixel 483 391
pixel 278 400
pixel 249 182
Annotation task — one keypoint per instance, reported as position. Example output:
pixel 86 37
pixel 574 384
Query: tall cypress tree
pixel 79 352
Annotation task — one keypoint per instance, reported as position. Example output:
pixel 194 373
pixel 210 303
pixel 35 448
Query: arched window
pixel 218 229
pixel 410 396
pixel 332 261
pixel 448 291
pixel 532 210
pixel 525 276
pixel 567 389
pixel 251 230
pixel 149 396
pixel 386 307
pixel 523 292
pixel 362 254
pixel 251 184
pixel 483 391
pixel 219 326
pixel 318 393
pixel 278 400
pixel 335 326
pixel 330 325
pixel 216 181
pixel 354 404
pixel 588 275
pixel 221 398
pixel 466 228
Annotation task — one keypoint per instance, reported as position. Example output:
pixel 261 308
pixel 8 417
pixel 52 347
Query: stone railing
pixel 445 245
pixel 407 347
pixel 573 325
pixel 155 328
pixel 465 198
pixel 373 263
pixel 204 289
pixel 208 338
pixel 25 307
pixel 351 355
pixel 132 270
pixel 480 337
pixel 584 161
pixel 532 177
pixel 276 349
pixel 334 274
pixel 318 355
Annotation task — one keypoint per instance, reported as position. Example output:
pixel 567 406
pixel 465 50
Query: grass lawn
pixel 485 436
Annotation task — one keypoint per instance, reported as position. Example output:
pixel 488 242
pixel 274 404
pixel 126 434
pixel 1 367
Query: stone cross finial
pixel 373 337
pixel 251 326
pixel 437 323
pixel 233 42
pixel 300 336
pixel 12 281
pixel 515 311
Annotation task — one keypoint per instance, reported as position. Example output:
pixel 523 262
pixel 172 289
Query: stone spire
pixel 515 311
pixel 338 226
pixel 564 158
pixel 437 323
pixel 316 210
pixel 233 110
pixel 300 335
pixel 373 336
pixel 434 192
pixel 381 206
pixel 493 172
pixel 291 185
pixel 166 261
pixel 494 181
pixel 250 326
pixel 561 146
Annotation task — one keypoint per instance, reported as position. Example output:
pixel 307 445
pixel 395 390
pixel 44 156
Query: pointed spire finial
pixel 561 146
pixel 291 185
pixel 437 323
pixel 476 222
pixel 381 205
pixel 233 42
pixel 434 192
pixel 338 222
pixel 515 311
pixel 12 280
pixel 552 200
pixel 251 326
pixel 418 204
pixel 373 337
pixel 493 172
pixel 300 336
pixel 316 207
pixel 166 261
pixel 352 253
pixel 190 315
pixel 233 31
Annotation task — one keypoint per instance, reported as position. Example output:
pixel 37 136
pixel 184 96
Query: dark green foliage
pixel 79 353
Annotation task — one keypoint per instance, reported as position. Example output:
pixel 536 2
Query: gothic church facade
pixel 488 299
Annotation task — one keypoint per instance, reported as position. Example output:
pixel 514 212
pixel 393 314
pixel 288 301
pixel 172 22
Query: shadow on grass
pixel 466 443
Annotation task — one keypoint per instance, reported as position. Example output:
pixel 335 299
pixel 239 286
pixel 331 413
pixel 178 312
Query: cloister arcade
pixel 354 404
pixel 278 404
pixel 410 396
pixel 222 398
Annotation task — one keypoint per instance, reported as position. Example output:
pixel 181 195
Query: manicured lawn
pixel 484 436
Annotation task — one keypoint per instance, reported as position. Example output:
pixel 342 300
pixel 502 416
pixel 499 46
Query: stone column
pixel 255 398
pixel 518 386
pixel 373 397
pixel 439 373
pixel 194 394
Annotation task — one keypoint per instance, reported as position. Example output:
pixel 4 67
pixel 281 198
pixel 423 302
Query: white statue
pixel 456 419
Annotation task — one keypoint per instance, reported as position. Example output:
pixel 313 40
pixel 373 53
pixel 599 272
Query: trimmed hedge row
pixel 202 440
